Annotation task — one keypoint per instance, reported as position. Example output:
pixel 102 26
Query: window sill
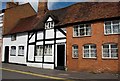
pixel 110 58
pixel 74 57
pixel 38 56
pixel 90 58
pixel 20 55
pixel 12 55
pixel 47 55
pixel 111 34
pixel 81 36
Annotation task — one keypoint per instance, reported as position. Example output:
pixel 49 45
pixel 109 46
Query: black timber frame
pixel 44 39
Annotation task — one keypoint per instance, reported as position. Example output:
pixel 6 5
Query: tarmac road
pixel 14 76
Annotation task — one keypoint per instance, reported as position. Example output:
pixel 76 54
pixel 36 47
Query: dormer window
pixel 49 25
pixel 13 37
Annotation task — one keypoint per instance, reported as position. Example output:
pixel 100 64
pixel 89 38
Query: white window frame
pixel 21 51
pixel 109 51
pixel 49 25
pixel 46 52
pixel 74 50
pixel 13 51
pixel 85 27
pixel 40 53
pixel 89 51
pixel 111 27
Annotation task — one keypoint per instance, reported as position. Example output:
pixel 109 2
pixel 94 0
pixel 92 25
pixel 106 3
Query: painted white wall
pixel 39 35
pixel 41 65
pixel 49 19
pixel 49 34
pixel 31 53
pixel 59 34
pixel 21 40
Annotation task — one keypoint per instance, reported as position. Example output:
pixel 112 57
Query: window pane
pixel 75 31
pixel 86 55
pixel 86 47
pixel 48 50
pixel 39 50
pixel 86 51
pixel 116 22
pixel 75 51
pixel 93 46
pixel 114 50
pixel 82 32
pixel 115 28
pixel 114 55
pixel 113 46
pixel 108 23
pixel 106 46
pixel 106 55
pixel 21 50
pixel 93 55
pixel 106 51
pixel 13 50
pixel 108 29
pixel 88 31
pixel 81 26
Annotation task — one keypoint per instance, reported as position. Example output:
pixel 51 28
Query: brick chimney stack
pixel 42 6
pixel 11 4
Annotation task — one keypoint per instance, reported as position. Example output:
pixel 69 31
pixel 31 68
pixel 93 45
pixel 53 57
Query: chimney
pixel 42 6
pixel 11 4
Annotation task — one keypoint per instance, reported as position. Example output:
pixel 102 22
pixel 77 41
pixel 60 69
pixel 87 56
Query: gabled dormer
pixel 49 24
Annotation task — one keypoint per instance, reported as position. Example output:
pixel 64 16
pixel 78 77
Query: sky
pixel 53 4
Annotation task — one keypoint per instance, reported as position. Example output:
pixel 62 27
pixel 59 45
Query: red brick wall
pixel 98 38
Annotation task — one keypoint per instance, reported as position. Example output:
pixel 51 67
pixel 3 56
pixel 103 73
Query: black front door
pixel 6 54
pixel 61 57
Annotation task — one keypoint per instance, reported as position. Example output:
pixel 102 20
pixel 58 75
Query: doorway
pixel 6 57
pixel 61 57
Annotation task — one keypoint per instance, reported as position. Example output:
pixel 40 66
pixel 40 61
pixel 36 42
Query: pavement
pixel 39 73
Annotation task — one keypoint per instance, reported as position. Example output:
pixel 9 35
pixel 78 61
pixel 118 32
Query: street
pixel 11 72
pixel 16 76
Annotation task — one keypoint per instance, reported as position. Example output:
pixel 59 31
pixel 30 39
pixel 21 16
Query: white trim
pixel 111 28
pixel 89 51
pixel 84 30
pixel 73 51
pixel 109 52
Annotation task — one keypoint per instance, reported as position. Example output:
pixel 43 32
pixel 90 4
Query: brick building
pixel 80 37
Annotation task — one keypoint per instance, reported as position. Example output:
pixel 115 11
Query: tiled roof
pixel 78 12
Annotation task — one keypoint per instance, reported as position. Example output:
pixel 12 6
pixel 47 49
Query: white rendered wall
pixel 59 34
pixel 21 40
pixel 49 34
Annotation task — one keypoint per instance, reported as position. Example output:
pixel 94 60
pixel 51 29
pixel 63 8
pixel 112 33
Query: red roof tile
pixel 79 12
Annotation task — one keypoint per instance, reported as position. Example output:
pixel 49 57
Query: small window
pixel 13 37
pixel 48 50
pixel 82 30
pixel 21 51
pixel 13 51
pixel 110 51
pixel 89 51
pixel 75 51
pixel 112 27
pixel 39 50
pixel 49 25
